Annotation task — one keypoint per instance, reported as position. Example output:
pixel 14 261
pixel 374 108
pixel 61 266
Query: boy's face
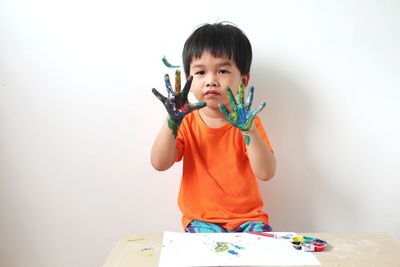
pixel 211 76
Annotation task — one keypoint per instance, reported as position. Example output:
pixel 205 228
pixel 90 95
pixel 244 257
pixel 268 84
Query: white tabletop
pixel 345 249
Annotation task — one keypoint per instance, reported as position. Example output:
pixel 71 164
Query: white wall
pixel 77 118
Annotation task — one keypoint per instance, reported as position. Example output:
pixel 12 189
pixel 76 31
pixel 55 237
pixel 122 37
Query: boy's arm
pixel 164 151
pixel 262 159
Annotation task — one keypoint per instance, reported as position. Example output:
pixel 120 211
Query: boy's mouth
pixel 211 93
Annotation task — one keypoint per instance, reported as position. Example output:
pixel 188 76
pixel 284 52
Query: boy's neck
pixel 212 118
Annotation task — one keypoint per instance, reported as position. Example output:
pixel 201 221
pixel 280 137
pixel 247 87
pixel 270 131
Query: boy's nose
pixel 212 83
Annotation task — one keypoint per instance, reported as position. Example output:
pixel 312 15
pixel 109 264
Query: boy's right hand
pixel 177 104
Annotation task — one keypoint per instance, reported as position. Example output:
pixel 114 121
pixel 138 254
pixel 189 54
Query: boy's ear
pixel 246 79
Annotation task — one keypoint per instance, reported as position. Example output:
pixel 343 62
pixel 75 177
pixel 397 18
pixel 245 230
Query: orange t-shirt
pixel 218 184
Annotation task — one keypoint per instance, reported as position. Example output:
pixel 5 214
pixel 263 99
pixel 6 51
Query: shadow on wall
pixel 291 197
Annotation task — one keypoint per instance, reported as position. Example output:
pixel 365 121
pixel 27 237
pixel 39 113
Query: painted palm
pixel 176 103
pixel 240 115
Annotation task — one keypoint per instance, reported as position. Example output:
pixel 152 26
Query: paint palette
pixel 309 244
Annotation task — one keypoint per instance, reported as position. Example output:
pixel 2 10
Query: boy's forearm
pixel 164 151
pixel 262 159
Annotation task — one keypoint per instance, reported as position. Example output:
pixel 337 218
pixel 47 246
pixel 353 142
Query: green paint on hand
pixel 247 139
pixel 174 125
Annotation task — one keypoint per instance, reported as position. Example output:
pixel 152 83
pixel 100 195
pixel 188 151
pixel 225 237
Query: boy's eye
pixel 200 72
pixel 223 71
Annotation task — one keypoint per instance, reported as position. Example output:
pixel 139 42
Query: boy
pixel 223 145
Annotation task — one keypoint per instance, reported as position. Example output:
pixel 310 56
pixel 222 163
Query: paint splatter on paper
pixel 221 247
pixel 227 247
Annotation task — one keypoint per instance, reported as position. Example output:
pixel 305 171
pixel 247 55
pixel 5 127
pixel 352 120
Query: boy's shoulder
pixel 192 117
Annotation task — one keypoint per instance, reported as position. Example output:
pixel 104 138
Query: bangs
pixel 218 44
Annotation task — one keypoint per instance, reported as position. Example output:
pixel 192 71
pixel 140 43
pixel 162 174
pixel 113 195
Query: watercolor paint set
pixel 309 244
pixel 305 243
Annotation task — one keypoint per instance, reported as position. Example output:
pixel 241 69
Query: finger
pixel 158 95
pixel 191 107
pixel 177 82
pixel 232 99
pixel 259 108
pixel 249 99
pixel 240 94
pixel 187 86
pixel 226 113
pixel 197 105
pixel 250 120
pixel 168 85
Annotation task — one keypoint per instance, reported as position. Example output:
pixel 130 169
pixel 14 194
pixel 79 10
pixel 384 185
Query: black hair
pixel 220 39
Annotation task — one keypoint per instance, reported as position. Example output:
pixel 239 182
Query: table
pixel 345 249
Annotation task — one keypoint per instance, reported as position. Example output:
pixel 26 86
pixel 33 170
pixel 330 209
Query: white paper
pixel 229 249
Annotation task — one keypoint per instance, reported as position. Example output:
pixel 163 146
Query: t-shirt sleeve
pixel 263 133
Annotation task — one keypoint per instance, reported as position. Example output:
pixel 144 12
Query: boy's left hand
pixel 241 116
